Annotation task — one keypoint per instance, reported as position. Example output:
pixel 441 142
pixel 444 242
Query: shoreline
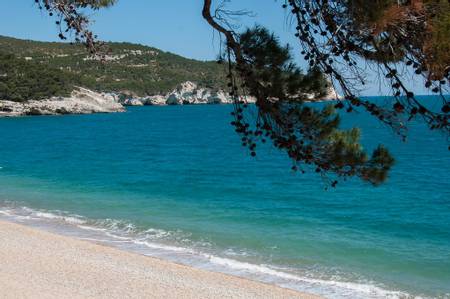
pixel 55 265
pixel 86 101
pixel 125 236
pixel 25 111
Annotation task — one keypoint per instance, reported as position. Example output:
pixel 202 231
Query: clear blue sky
pixel 175 25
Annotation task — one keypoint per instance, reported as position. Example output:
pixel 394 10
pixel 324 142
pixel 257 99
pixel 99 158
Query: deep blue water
pixel 174 182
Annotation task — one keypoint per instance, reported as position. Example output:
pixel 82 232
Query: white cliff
pixel 81 101
pixel 331 95
pixel 189 93
pixel 133 102
pixel 158 100
pixel 85 101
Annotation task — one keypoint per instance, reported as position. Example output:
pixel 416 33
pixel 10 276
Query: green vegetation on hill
pixel 131 69
pixel 22 80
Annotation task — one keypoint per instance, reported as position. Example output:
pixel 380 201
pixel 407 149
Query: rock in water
pixel 133 102
pixel 189 93
pixel 81 101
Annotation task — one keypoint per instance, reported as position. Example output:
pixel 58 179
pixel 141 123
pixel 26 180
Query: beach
pixel 154 182
pixel 38 264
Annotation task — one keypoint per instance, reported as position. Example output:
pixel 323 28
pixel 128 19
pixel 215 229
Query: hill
pixel 22 80
pixel 131 69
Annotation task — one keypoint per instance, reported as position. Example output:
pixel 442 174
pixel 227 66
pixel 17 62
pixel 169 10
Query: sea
pixel 175 183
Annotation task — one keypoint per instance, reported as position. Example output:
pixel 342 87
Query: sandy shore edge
pixel 39 264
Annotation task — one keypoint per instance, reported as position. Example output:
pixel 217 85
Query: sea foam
pixel 127 236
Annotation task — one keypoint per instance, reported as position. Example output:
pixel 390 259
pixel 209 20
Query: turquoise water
pixel 174 182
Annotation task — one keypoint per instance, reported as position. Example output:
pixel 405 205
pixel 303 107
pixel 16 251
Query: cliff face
pixel 134 70
pixel 188 93
pixel 81 101
pixel 85 101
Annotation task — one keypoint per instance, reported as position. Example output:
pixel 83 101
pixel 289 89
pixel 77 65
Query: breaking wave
pixel 159 243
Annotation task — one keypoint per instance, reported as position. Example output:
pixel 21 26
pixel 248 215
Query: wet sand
pixel 38 264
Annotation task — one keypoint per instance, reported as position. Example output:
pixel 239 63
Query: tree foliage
pixel 131 69
pixel 392 35
pixel 71 18
pixel 21 80
pixel 397 38
pixel 310 136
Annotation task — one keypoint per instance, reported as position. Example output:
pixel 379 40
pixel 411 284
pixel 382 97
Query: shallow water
pixel 174 182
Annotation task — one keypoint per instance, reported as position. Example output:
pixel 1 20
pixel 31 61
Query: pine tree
pixel 335 36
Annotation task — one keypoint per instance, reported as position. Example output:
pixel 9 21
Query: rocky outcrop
pixel 188 93
pixel 132 102
pixel 81 101
pixel 157 100
pixel 84 101
pixel 331 95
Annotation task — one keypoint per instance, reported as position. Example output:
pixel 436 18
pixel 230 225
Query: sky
pixel 175 26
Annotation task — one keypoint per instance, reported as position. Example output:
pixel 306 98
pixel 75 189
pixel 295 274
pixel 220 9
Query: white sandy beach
pixel 38 264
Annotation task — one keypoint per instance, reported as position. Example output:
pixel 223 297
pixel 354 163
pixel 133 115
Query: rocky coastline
pixel 85 101
pixel 188 93
pixel 81 101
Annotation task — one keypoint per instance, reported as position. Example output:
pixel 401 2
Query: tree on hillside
pixel 21 80
pixel 340 39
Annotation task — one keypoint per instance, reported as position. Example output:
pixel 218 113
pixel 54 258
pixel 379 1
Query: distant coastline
pixel 81 101
pixel 189 93
pixel 41 78
pixel 85 101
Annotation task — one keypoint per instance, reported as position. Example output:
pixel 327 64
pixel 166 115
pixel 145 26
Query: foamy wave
pixel 27 213
pixel 92 228
pixel 363 289
pixel 67 219
pixel 157 233
pixel 113 231
pixel 115 225
pixel 164 247
pixel 5 212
